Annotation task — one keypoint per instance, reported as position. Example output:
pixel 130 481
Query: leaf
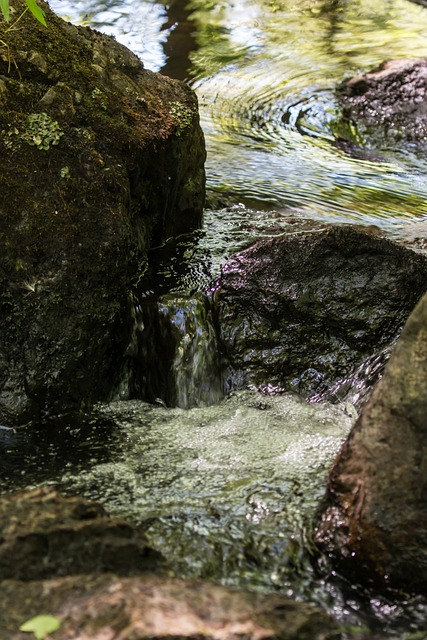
pixel 35 10
pixel 41 626
pixel 5 9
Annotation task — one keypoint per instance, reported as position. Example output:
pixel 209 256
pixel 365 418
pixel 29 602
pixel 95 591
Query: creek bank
pixel 375 523
pixel 387 105
pixel 100 159
pixel 303 312
pixel 61 556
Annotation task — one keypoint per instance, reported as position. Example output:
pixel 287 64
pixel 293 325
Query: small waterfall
pixel 178 361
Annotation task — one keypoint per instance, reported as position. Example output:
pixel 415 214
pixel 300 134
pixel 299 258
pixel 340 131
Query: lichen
pixel 38 130
pixel 182 115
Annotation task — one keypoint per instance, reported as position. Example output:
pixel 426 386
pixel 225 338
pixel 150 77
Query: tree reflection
pixel 181 39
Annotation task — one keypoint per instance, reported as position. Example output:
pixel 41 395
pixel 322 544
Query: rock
pixel 95 607
pixel 375 522
pixel 389 104
pixel 44 534
pixel 100 159
pixel 302 312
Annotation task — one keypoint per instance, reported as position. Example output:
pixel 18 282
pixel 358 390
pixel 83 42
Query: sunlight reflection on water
pixel 265 73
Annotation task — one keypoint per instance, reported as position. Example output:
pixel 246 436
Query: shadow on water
pixel 36 454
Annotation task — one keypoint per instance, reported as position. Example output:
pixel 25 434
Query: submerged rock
pixel 388 104
pixel 302 312
pixel 107 607
pixel 100 158
pixel 375 523
pixel 44 534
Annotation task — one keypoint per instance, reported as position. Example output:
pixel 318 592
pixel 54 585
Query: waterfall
pixel 178 361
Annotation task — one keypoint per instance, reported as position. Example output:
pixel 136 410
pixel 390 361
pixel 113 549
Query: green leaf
pixel 5 9
pixel 41 626
pixel 35 10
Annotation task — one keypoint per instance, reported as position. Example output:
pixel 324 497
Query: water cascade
pixel 177 362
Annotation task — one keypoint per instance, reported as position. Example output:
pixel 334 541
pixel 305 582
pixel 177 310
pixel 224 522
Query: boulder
pixel 141 608
pixel 387 104
pixel 44 534
pixel 100 159
pixel 374 524
pixel 301 312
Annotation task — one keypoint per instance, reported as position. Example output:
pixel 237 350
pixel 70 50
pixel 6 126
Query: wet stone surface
pixel 388 104
pixel 303 312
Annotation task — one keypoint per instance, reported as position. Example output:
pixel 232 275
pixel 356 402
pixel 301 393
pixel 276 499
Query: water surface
pixel 265 73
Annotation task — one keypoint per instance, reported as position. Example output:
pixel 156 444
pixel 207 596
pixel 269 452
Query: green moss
pixel 99 97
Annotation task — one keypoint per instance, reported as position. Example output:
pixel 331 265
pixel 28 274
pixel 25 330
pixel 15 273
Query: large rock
pixel 301 312
pixel 144 608
pixel 44 534
pixel 375 523
pixel 388 104
pixel 100 158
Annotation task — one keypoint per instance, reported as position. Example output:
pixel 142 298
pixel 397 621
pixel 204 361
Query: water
pixel 265 73
pixel 177 356
pixel 226 492
pixel 229 490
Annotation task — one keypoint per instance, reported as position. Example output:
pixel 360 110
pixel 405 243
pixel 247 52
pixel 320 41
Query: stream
pixel 227 488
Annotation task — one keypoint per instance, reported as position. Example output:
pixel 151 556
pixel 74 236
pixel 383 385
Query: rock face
pixel 389 103
pixel 301 312
pixel 44 534
pixel 376 518
pixel 100 158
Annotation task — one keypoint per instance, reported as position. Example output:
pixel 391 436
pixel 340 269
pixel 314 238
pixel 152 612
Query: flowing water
pixel 228 491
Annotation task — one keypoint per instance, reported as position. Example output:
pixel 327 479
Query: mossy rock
pixel 100 158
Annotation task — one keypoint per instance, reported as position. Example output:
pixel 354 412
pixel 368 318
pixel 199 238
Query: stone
pixel 100 159
pixel 151 607
pixel 374 523
pixel 388 104
pixel 44 534
pixel 302 312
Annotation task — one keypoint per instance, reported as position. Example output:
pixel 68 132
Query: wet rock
pixel 375 523
pixel 302 312
pixel 95 607
pixel 100 159
pixel 389 104
pixel 44 534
